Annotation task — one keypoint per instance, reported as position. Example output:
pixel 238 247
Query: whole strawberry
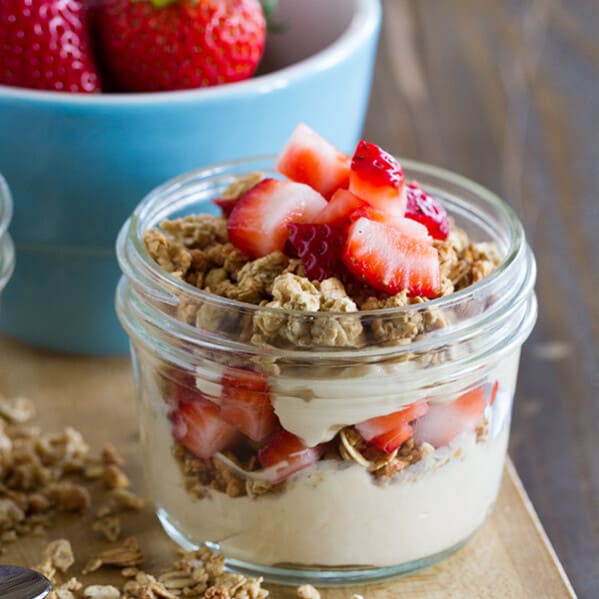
pixel 44 44
pixel 159 45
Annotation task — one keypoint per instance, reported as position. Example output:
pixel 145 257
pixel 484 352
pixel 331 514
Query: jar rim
pixel 7 252
pixel 133 229
pixel 6 206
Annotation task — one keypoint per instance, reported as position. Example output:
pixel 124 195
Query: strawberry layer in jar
pixel 325 358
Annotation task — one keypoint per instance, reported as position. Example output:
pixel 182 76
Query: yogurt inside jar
pixel 326 369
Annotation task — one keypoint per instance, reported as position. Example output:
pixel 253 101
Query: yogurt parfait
pixel 325 350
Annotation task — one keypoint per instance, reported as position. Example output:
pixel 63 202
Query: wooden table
pixel 509 557
pixel 507 93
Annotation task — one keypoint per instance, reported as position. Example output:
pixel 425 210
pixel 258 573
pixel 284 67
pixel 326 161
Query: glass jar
pixel 7 250
pixel 334 510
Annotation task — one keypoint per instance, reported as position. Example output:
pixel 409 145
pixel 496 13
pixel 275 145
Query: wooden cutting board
pixel 510 557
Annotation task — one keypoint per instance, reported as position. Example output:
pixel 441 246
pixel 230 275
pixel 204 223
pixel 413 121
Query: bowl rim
pixel 365 21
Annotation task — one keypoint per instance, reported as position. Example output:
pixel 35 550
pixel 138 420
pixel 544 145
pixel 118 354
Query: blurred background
pixel 507 93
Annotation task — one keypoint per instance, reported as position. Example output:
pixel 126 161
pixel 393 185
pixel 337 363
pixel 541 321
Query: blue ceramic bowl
pixel 78 165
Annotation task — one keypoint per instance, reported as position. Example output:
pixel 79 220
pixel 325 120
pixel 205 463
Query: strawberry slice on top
pixel 226 205
pixel 319 247
pixel 339 209
pixel 284 454
pixel 245 403
pixel 390 261
pixel 408 227
pixel 427 210
pixel 377 178
pixel 445 422
pixel 392 430
pixel 309 158
pixel 258 223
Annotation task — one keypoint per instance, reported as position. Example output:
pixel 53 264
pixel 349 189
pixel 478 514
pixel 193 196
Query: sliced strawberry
pixel 443 423
pixel 319 247
pixel 391 431
pixel 308 158
pixel 390 261
pixel 407 227
pixel 337 212
pixel 245 403
pixel 377 178
pixel 427 210
pixel 198 426
pixel 258 224
pixel 226 205
pixel 284 454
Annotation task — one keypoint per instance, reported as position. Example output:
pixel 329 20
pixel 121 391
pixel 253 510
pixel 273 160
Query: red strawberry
pixel 309 158
pixel 198 426
pixel 427 210
pixel 445 422
pixel 407 227
pixel 226 205
pixel 339 209
pixel 45 44
pixel 245 403
pixel 391 431
pixel 377 178
pixel 158 45
pixel 258 224
pixel 390 261
pixel 285 454
pixel 319 247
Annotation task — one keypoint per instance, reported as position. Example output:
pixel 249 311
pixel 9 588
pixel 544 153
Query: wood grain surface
pixel 507 93
pixel 509 558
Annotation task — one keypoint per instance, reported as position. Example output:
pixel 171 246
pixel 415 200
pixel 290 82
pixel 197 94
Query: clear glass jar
pixel 347 519
pixel 7 250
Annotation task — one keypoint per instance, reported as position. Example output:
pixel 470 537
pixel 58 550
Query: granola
pixel 196 249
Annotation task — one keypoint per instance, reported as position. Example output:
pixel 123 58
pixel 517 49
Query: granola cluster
pixel 44 473
pixel 196 249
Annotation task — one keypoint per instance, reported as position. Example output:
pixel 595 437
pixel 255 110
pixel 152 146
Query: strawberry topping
pixel 391 431
pixel 386 259
pixel 319 247
pixel 285 454
pixel 308 158
pixel 226 205
pixel 406 226
pixel 245 403
pixel 258 224
pixel 427 210
pixel 340 208
pixel 377 178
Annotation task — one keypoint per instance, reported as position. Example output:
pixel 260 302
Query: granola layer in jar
pixel 7 252
pixel 317 430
